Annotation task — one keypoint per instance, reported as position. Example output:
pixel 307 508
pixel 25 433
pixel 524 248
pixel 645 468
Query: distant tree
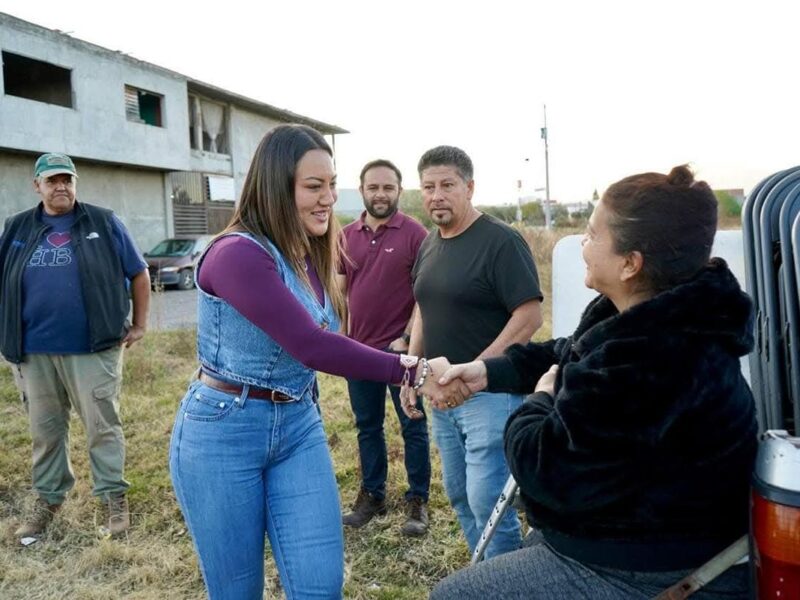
pixel 595 196
pixel 507 214
pixel 581 217
pixel 729 213
pixel 560 215
pixel 728 206
pixel 411 204
pixel 532 213
pixel 345 219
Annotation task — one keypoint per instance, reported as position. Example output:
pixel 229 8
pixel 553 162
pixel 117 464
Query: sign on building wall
pixel 220 189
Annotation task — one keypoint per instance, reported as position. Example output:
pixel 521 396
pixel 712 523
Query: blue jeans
pixel 474 469
pixel 243 467
pixel 368 400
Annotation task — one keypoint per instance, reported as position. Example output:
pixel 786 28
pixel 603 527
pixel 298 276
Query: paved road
pixel 173 309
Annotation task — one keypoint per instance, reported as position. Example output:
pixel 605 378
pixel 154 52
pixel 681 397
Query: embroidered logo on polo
pixel 388 249
pixel 55 251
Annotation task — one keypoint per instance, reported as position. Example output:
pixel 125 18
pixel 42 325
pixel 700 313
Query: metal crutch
pixel 503 502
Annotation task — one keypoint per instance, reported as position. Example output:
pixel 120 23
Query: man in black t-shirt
pixel 477 289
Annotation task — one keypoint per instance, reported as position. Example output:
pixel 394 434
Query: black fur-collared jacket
pixel 642 460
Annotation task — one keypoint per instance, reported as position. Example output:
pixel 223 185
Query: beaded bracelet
pixel 407 362
pixel 425 371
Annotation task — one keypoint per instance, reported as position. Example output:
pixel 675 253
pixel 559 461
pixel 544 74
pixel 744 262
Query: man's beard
pixel 444 218
pixel 390 210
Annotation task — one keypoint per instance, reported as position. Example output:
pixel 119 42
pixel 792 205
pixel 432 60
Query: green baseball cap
pixel 53 163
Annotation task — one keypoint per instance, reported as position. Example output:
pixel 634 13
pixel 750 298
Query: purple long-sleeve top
pixel 246 277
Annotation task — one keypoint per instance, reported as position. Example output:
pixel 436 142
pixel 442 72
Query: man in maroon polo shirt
pixel 381 247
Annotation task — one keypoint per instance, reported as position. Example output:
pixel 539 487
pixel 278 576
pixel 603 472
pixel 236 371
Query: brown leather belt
pixel 254 392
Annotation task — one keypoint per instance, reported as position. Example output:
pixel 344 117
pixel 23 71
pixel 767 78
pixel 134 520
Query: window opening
pixel 36 80
pixel 143 107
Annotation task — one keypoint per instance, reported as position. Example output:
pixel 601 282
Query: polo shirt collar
pixel 395 222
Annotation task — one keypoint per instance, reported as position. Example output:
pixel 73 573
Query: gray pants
pixel 538 573
pixel 49 384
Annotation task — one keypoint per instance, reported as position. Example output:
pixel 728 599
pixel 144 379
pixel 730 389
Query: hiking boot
pixel 39 518
pixel 416 524
pixel 119 519
pixel 365 507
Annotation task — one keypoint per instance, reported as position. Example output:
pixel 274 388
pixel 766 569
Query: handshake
pixel 446 386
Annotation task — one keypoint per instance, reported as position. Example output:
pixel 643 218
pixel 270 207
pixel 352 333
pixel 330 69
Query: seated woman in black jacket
pixel 634 454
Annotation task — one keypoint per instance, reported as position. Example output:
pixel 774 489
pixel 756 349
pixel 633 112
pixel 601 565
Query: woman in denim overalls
pixel 248 454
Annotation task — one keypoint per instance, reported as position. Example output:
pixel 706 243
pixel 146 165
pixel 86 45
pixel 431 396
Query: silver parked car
pixel 172 261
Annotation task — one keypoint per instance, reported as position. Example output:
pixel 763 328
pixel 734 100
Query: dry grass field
pixel 156 560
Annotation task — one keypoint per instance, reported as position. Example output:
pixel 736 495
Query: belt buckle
pixel 278 397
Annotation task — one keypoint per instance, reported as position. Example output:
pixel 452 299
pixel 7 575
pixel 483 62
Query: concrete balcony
pixel 210 162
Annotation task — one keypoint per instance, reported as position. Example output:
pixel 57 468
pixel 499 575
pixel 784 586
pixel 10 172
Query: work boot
pixel 38 519
pixel 119 519
pixel 365 507
pixel 416 524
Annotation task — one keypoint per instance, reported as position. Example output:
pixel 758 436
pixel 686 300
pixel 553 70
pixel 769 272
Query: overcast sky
pixel 629 86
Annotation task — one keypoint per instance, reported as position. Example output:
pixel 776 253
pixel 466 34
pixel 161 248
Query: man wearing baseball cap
pixel 65 270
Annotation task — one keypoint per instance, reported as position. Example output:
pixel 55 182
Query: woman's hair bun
pixel 670 219
pixel 680 176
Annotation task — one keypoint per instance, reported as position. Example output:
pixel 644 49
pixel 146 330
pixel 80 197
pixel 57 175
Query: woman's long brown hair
pixel 267 207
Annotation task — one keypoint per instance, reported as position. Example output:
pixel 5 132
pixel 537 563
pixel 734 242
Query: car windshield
pixel 172 248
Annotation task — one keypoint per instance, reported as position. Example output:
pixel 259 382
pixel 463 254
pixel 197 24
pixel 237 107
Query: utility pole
pixel 519 192
pixel 547 221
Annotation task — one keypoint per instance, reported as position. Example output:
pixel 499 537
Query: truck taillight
pixel 775 517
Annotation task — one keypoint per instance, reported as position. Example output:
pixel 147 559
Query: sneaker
pixel 416 524
pixel 119 518
pixel 39 518
pixel 365 507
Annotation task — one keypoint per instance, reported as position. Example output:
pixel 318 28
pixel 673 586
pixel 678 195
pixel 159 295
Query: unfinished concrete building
pixel 166 152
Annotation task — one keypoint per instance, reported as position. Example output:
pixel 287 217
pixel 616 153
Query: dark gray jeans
pixel 538 572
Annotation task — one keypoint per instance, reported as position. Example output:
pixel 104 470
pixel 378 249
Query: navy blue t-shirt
pixel 53 312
